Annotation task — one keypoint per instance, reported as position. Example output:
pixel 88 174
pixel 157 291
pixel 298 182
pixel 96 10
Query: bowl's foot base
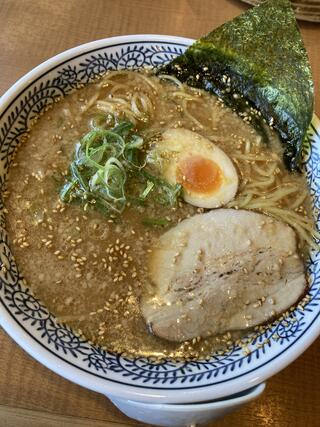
pixel 191 414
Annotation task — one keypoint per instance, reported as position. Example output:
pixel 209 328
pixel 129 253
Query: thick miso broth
pixel 90 269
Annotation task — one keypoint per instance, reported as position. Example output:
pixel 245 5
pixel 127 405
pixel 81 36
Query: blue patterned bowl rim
pixel 30 324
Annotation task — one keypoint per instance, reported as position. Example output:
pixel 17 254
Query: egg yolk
pixel 199 175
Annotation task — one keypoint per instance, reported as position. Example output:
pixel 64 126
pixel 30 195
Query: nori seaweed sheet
pixel 258 65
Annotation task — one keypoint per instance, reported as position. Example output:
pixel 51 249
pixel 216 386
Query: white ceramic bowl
pixel 30 324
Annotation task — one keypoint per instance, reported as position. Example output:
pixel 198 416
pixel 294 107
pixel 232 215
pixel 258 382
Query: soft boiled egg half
pixel 206 174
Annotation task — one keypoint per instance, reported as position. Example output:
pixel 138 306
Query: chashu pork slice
pixel 221 271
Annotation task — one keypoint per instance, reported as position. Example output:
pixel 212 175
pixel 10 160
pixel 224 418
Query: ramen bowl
pixel 158 392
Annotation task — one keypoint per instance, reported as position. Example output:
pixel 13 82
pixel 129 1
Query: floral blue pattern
pixel 60 340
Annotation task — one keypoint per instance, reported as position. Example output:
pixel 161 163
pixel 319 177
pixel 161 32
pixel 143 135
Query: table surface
pixel 34 30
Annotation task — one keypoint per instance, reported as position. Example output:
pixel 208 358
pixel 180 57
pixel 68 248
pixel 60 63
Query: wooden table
pixel 34 30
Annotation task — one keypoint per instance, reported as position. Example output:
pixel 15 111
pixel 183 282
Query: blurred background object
pixel 306 10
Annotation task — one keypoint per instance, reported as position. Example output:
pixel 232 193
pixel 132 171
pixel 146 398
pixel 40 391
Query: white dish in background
pixel 306 10
pixel 30 324
pixel 171 415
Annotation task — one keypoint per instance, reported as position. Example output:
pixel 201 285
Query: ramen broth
pixel 90 269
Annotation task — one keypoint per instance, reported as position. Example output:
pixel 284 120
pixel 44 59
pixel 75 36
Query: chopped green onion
pixel 109 169
pixel 147 190
pixel 158 222
pixel 76 175
pixel 65 192
pixel 167 193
